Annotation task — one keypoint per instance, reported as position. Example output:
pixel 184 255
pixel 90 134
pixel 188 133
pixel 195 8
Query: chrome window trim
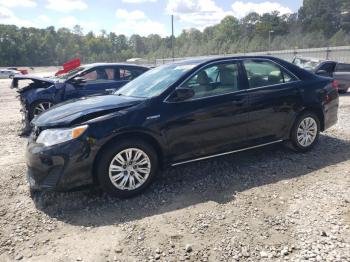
pixel 226 153
pixel 297 79
pixel 261 87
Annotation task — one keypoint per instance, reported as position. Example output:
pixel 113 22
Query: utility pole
pixel 172 37
pixel 270 32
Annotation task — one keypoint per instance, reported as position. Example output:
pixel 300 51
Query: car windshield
pixel 306 64
pixel 154 82
pixel 71 73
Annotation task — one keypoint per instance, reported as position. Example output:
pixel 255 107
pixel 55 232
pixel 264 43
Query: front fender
pixel 40 94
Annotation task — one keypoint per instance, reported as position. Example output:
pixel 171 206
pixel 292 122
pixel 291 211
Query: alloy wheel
pixel 307 132
pixel 129 169
pixel 41 107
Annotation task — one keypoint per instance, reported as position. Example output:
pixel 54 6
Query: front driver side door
pixel 214 120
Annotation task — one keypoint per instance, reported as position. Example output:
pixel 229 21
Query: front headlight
pixel 51 137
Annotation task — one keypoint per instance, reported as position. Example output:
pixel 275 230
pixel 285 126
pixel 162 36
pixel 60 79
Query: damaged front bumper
pixel 60 167
pixel 25 123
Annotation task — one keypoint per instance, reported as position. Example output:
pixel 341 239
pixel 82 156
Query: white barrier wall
pixel 339 53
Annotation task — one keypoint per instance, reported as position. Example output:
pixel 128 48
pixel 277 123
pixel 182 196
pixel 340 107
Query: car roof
pixel 112 64
pixel 205 60
pixel 198 62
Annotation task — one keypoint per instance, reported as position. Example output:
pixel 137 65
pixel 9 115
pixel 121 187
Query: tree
pixel 317 23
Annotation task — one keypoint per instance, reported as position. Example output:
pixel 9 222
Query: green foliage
pixel 318 23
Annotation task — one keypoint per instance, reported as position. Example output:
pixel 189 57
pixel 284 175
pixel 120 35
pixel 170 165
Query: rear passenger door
pixel 273 95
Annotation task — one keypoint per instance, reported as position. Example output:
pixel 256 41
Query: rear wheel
pixel 127 168
pixel 305 132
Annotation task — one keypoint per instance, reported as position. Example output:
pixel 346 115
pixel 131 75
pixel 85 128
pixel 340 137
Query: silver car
pixel 7 73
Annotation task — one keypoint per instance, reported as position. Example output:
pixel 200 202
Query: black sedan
pixel 177 114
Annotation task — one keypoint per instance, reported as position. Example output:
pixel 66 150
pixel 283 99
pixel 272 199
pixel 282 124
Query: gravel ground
pixel 269 204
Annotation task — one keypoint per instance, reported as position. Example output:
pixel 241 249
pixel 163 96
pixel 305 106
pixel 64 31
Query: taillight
pixel 335 84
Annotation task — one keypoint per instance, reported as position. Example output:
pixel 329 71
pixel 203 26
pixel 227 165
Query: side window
pixel 215 80
pixel 265 73
pixel 99 74
pixel 125 74
pixel 328 67
pixel 110 73
pixel 342 68
pixel 90 76
pixel 129 73
pixel 135 72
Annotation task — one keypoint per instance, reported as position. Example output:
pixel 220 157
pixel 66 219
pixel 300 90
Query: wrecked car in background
pixel 95 79
pixel 339 71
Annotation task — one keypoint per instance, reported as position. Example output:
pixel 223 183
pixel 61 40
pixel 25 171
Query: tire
pixel 32 109
pixel 303 142
pixel 124 171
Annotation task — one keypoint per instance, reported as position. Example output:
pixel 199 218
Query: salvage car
pixel 339 71
pixel 42 93
pixel 177 114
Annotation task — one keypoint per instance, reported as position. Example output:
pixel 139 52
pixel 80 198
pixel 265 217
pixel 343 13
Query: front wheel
pixel 305 132
pixel 126 168
pixel 38 108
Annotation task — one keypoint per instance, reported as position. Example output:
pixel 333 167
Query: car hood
pixel 35 79
pixel 84 109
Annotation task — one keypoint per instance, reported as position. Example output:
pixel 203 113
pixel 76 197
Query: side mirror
pixel 182 94
pixel 78 80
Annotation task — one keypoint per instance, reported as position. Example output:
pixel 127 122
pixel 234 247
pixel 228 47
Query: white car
pixel 7 73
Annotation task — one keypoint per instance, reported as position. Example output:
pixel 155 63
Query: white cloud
pixel 44 19
pixel 9 18
pixel 66 6
pixel 133 15
pixel 18 3
pixel 241 9
pixel 198 13
pixel 138 1
pixel 136 22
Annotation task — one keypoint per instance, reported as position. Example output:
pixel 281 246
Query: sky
pixel 129 17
